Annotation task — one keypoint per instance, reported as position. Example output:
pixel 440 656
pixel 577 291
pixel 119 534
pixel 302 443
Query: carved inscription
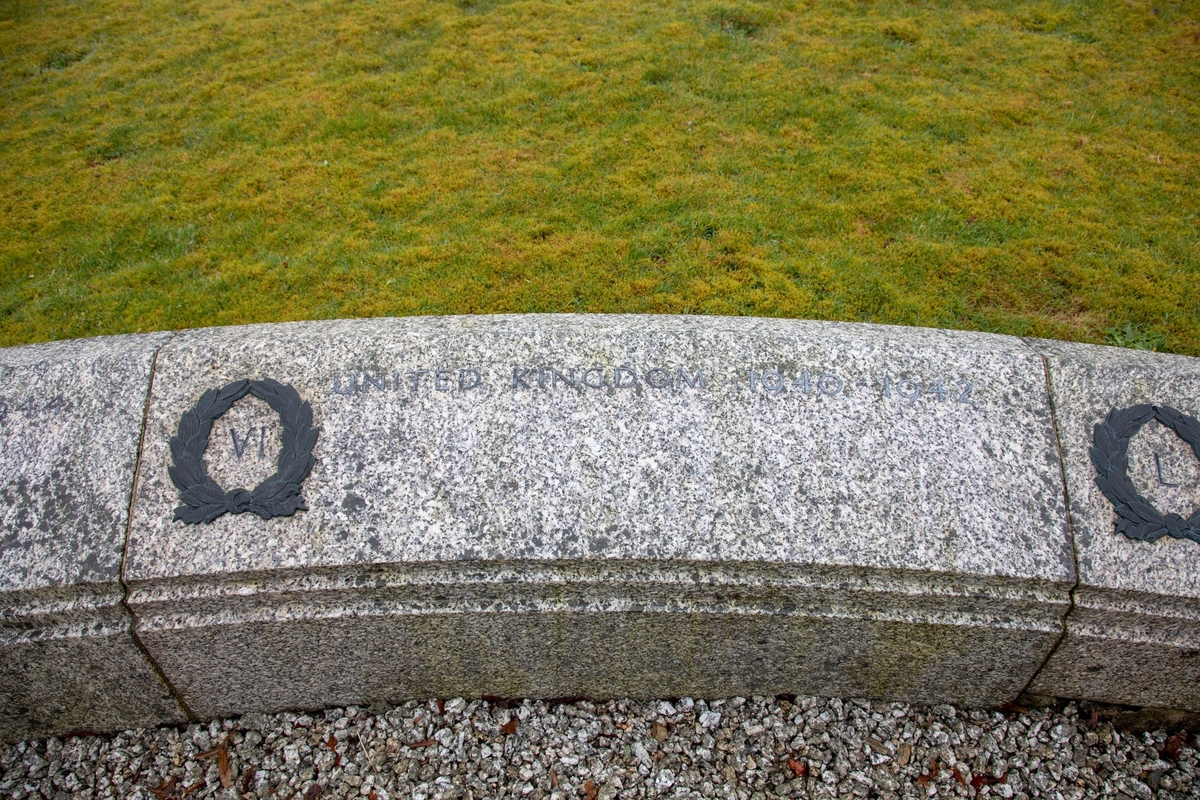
pixel 1164 469
pixel 522 379
pixel 32 407
pixel 239 447
pixel 774 382
pixel 623 377
pixel 769 382
pixel 411 381
pixel 244 444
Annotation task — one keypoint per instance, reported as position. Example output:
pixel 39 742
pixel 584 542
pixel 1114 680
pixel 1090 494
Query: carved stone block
pixel 601 506
pixel 70 420
pixel 1134 634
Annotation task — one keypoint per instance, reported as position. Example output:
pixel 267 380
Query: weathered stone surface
pixel 1134 634
pixel 70 419
pixel 575 505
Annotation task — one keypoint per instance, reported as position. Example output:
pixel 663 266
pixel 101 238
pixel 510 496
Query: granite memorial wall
pixel 220 521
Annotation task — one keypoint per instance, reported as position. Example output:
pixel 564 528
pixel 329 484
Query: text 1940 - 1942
pixel 774 382
pixel 32 407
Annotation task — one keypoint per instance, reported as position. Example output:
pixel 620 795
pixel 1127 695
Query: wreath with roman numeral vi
pixel 1136 517
pixel 279 495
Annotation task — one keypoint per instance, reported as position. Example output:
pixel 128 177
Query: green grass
pixel 1022 167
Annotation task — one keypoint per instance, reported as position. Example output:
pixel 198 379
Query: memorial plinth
pixel 608 506
pixel 302 515
pixel 70 420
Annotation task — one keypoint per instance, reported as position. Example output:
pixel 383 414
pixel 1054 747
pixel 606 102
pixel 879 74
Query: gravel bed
pixel 743 748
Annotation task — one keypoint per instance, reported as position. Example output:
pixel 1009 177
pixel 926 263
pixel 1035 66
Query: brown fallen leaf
pixel 312 792
pixel 798 768
pixel 248 778
pixel 441 707
pixel 979 781
pixel 658 732
pixel 553 779
pixel 1174 746
pixel 878 746
pixel 419 745
pixel 200 784
pixel 223 769
pixel 933 773
pixel 166 789
pixel 332 744
pixel 905 754
pixel 958 776
pixel 591 791
pixel 509 727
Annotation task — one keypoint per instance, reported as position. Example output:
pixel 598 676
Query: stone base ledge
pixel 70 663
pixel 882 595
pixel 606 629
pixel 62 613
pixel 1138 617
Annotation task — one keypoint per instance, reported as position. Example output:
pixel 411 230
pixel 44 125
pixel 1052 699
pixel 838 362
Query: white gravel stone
pixel 805 747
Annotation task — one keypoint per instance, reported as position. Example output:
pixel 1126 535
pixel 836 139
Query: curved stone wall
pixel 299 515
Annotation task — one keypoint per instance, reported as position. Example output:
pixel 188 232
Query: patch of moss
pixel 742 20
pixel 656 75
pixel 61 59
pixel 903 31
pixel 115 143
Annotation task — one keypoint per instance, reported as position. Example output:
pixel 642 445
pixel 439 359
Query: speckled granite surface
pixel 720 473
pixel 815 505
pixel 70 419
pixel 1134 635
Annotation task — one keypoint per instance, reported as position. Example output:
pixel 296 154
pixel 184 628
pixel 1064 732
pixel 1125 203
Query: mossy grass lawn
pixel 1023 167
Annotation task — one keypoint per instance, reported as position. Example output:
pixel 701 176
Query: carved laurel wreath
pixel 1136 517
pixel 279 495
